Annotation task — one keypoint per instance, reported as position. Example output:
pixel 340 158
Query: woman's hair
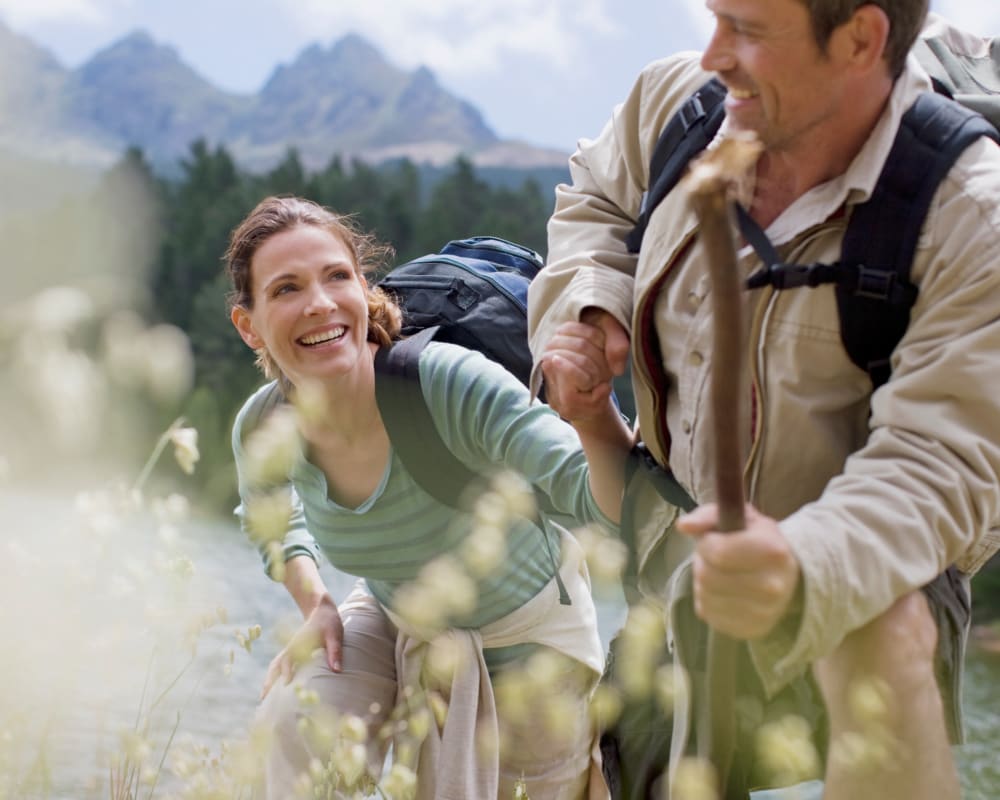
pixel 906 18
pixel 274 215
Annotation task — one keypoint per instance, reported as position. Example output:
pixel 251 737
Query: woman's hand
pixel 579 363
pixel 322 628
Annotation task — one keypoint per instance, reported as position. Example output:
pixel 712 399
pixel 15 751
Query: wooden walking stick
pixel 710 183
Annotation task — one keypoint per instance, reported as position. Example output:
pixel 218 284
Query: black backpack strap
pixel 882 234
pixel 409 423
pixel 641 468
pixel 686 134
pixel 872 277
pixel 415 438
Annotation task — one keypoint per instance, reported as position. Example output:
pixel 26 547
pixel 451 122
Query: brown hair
pixel 274 215
pixel 906 18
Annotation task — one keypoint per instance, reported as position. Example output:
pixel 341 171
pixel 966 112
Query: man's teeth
pixel 742 94
pixel 326 336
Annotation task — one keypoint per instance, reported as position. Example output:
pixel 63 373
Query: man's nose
pixel 717 56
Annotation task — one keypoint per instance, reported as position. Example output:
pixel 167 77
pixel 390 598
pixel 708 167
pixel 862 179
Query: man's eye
pixel 285 288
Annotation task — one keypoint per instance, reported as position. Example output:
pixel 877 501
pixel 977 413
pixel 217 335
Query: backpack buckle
pixel 877 284
pixel 692 112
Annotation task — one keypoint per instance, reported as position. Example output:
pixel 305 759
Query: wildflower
pixel 606 556
pixel 439 707
pixel 456 591
pixel 353 728
pixel 560 714
pixel 521 790
pixel 173 509
pixel 695 780
pixel 185 441
pixel 267 515
pixel 869 700
pixel 785 750
pixel 484 549
pixel 310 402
pixel 168 362
pixel 350 761
pixel 400 783
pixel 60 309
pixel 516 493
pixel 443 657
pixel 606 706
pixel 419 604
pixel 641 648
pixel 272 448
pixel 181 567
pixel 664 686
pixel 420 724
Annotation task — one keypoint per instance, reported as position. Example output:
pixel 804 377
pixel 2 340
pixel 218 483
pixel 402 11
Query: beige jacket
pixel 873 506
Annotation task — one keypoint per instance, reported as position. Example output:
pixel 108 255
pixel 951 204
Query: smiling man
pixel 873 497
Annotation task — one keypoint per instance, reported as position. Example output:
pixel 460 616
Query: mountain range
pixel 344 99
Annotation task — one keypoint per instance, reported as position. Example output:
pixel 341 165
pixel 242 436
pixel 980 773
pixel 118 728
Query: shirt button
pixel 694 299
pixel 696 358
pixel 686 426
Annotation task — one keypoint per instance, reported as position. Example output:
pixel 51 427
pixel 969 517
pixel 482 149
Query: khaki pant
pixel 553 768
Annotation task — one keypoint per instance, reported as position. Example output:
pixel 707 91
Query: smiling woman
pixel 451 602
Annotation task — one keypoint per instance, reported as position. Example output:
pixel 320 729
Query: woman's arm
pixel 579 364
pixel 322 627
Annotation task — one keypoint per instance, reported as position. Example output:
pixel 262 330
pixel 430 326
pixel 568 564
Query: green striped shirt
pixel 485 417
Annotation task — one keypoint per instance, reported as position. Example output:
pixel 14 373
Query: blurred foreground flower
pixel 185 441
pixel 272 448
pixel 400 783
pixel 695 780
pixel 157 359
pixel 786 752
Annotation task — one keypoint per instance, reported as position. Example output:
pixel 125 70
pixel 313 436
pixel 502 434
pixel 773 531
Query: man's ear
pixel 241 321
pixel 862 39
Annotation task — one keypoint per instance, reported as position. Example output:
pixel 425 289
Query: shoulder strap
pixel 409 423
pixel 872 277
pixel 686 134
pixel 883 232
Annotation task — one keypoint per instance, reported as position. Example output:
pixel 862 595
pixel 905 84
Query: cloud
pixel 26 13
pixel 971 15
pixel 455 37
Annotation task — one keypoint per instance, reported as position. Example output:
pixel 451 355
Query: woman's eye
pixel 340 275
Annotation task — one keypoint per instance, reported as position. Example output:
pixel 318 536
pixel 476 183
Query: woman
pixel 302 302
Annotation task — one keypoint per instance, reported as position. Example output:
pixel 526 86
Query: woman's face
pixel 310 309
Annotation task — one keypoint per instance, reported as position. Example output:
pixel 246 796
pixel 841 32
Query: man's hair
pixel 906 18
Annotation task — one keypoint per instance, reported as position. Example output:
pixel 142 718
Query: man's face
pixel 781 85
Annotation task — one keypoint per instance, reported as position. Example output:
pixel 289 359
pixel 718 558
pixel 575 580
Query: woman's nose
pixel 319 300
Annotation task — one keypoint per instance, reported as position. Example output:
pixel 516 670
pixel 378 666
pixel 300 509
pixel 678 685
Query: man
pixel 860 501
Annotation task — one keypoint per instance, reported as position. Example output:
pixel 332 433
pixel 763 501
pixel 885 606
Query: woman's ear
pixel 241 321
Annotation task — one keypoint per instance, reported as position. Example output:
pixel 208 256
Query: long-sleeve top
pixel 486 418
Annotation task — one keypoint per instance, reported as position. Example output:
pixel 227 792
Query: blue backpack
pixel 474 293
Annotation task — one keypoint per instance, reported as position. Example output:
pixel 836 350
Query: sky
pixel 543 71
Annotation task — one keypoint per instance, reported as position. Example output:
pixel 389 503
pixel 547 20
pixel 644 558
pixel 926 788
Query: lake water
pixel 94 619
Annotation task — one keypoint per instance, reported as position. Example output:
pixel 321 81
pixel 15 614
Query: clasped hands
pixel 744 581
